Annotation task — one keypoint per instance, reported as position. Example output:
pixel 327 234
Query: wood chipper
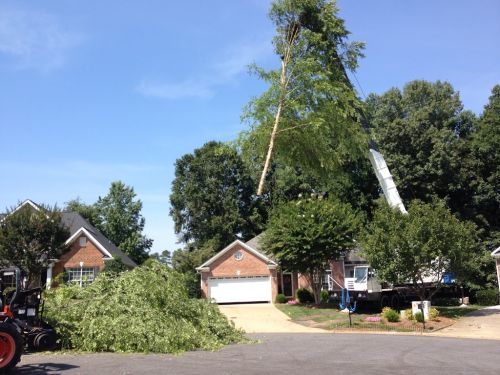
pixel 21 325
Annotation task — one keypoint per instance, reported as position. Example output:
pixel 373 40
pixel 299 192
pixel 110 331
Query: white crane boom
pixel 385 180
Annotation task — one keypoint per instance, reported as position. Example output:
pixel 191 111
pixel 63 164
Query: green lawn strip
pixel 319 314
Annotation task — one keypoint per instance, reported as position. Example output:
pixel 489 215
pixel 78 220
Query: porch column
pixel 49 275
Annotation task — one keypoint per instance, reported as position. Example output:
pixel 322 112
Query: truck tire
pixel 395 301
pixel 11 346
pixel 384 301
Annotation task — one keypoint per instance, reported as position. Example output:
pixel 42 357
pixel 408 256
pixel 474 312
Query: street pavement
pixel 290 354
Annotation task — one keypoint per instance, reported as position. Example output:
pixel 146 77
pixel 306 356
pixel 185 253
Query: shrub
pixel 324 296
pixel 433 313
pixel 280 298
pixel 419 317
pixel 390 314
pixel 304 295
pixel 144 310
pixel 409 314
pixel 487 297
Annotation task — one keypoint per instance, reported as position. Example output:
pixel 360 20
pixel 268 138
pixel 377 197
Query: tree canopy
pixel 213 201
pixel 118 216
pixel 307 118
pixel 31 238
pixel 306 235
pixel 419 247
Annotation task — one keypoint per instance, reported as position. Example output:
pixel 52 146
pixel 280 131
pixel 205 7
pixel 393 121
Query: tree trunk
pixel 281 101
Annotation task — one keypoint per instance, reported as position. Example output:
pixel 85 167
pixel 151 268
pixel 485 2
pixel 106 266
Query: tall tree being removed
pixel 307 117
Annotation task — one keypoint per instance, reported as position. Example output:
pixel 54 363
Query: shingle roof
pixel 75 222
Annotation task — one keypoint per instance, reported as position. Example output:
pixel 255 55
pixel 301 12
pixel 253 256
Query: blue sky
pixel 97 91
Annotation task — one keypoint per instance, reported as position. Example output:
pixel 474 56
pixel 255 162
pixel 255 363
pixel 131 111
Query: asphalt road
pixel 299 353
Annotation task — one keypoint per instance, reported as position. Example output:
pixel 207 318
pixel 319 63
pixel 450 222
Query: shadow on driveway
pixel 42 368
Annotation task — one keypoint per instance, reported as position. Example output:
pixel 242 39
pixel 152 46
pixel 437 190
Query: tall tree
pixel 121 221
pixel 212 198
pixel 30 238
pixel 118 217
pixel 420 247
pixel 420 131
pixel 307 117
pixel 485 169
pixel 306 235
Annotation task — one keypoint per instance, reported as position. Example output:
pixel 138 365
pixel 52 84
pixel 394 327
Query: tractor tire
pixel 11 346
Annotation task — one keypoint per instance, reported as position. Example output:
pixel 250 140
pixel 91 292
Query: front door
pixel 287 284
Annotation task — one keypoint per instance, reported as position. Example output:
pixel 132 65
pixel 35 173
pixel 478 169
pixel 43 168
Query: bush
pixel 433 313
pixel 280 298
pixel 144 310
pixel 409 314
pixel 324 296
pixel 487 297
pixel 419 317
pixel 304 295
pixel 390 314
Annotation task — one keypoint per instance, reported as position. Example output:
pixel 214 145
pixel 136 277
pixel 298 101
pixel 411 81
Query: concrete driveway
pixel 263 318
pixel 480 324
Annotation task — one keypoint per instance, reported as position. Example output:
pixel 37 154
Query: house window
pixel 83 241
pixel 238 255
pixel 85 274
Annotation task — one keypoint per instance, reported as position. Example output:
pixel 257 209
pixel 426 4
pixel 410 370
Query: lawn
pixel 330 318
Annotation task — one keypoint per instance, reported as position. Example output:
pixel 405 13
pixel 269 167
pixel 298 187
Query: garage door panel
pixel 241 289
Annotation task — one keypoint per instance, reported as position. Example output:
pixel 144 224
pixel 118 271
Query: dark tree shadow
pixel 42 368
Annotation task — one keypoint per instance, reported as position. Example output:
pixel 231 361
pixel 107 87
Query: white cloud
pixel 235 61
pixel 35 40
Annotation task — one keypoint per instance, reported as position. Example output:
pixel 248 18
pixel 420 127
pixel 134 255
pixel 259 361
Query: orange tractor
pixel 21 325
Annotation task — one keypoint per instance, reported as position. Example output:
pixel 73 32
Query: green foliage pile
pixel 487 297
pixel 144 310
pixel 390 314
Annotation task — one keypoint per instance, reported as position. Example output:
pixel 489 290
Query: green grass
pixel 319 314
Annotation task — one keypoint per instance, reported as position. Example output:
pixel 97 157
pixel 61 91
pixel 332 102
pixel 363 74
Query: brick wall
pixel 89 254
pixel 249 265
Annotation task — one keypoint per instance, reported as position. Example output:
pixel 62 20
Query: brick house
pixel 88 250
pixel 496 255
pixel 242 272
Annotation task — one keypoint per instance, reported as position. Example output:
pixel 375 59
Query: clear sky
pixel 97 91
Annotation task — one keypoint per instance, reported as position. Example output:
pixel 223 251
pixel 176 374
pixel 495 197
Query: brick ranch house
pixel 242 272
pixel 88 250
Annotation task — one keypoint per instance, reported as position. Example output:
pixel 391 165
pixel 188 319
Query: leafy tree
pixel 212 198
pixel 88 212
pixel 121 221
pixel 305 235
pixel 165 257
pixel 421 131
pixel 30 238
pixel 419 247
pixel 118 217
pixel 307 118
pixel 485 167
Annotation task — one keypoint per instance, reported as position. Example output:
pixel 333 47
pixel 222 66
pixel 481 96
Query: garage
pixel 240 289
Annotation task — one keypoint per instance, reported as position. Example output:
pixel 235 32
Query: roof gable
pixel 496 252
pixel 229 247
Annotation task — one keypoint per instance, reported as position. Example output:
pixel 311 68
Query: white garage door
pixel 240 289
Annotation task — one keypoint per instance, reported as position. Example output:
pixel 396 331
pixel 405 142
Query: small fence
pixel 357 326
